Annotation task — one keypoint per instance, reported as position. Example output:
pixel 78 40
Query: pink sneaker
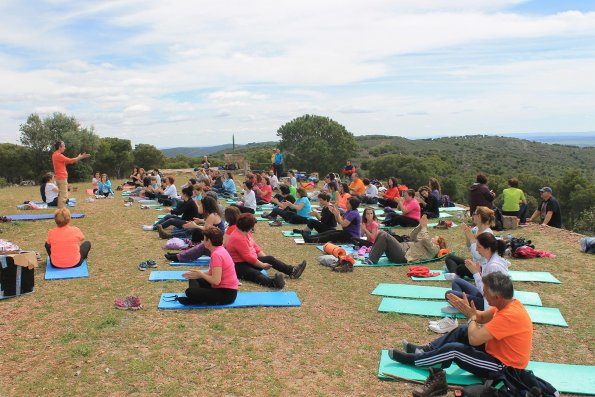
pixel 128 303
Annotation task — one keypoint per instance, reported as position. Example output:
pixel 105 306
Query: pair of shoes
pixel 128 303
pixel 171 257
pixel 277 222
pixel 402 357
pixel 148 228
pixel 444 326
pixel 148 264
pixel 162 233
pixel 279 281
pixel 435 384
pixel 415 349
pixel 298 270
pixel 449 310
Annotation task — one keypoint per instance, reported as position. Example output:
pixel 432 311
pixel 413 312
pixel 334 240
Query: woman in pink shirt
pixel 217 286
pixel 411 212
pixel 250 260
pixel 369 227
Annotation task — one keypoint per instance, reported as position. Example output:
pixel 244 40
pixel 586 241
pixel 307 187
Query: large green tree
pixel 114 157
pixel 15 163
pixel 316 143
pixel 148 156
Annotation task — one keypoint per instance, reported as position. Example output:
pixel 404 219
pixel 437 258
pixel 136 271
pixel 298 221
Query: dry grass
pixel 66 338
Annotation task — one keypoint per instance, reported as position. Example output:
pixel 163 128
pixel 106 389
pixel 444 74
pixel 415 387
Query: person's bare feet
pixel 424 221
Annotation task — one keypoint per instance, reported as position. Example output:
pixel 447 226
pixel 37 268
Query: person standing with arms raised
pixel 60 161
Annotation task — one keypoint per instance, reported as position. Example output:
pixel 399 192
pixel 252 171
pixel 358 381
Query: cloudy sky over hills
pixel 191 73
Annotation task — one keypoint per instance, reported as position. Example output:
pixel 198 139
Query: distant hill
pixel 208 150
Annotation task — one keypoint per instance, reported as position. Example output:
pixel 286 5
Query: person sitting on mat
pixel 411 211
pixel 263 190
pixel 249 258
pixel 248 205
pixel 95 181
pixel 63 241
pixel 492 251
pixel 104 187
pixel 371 193
pixel 322 221
pixel 187 209
pixel 350 222
pixel 217 286
pixel 369 228
pixel 428 203
pixel 51 190
pixel 421 246
pixel 342 196
pixel 494 340
pixel 391 195
pixel 484 218
pixel 301 209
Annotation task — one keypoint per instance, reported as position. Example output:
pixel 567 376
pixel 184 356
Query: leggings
pixel 193 253
pixel 385 243
pixel 83 249
pixel 315 224
pixel 456 264
pixel 388 203
pixel 294 218
pixel 243 209
pixel 248 272
pixel 334 236
pixel 169 220
pixel 400 220
pixel 202 292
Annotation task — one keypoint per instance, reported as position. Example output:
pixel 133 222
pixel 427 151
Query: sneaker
pixel 128 303
pixel 279 281
pixel 298 270
pixel 162 233
pixel 449 309
pixel 148 228
pixel 435 384
pixel 171 257
pixel 414 349
pixel 278 222
pixel 128 205
pixel 148 264
pixel 266 214
pixel 402 357
pixel 445 325
pixel 450 276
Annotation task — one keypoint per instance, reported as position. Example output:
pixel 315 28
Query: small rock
pixel 106 370
pixel 77 373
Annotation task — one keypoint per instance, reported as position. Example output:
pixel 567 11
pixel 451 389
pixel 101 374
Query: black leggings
pixel 315 224
pixel 400 220
pixel 243 209
pixel 333 236
pixel 248 272
pixel 84 251
pixel 456 264
pixel 202 292
pixel 388 203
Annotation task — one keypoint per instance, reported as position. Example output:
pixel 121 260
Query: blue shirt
pixel 229 186
pixel 306 209
pixel 278 158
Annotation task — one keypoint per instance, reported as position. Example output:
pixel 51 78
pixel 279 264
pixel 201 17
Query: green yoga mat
pixel 567 378
pixel 384 262
pixel 453 209
pixel 515 275
pixel 539 315
pixel 428 292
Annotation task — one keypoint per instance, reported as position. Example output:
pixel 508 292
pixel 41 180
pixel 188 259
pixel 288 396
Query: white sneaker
pixel 450 276
pixel 148 228
pixel 449 310
pixel 444 326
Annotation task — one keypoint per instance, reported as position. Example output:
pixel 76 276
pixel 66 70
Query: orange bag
pixel 334 250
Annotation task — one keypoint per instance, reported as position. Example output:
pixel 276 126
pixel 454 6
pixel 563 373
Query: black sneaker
pixel 171 257
pixel 279 281
pixel 402 357
pixel 414 349
pixel 278 222
pixel 298 270
pixel 435 384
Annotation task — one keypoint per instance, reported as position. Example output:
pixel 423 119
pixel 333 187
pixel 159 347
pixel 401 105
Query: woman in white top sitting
pixel 51 191
pixel 249 197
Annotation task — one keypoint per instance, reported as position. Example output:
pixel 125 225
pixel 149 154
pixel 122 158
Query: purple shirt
pixel 355 218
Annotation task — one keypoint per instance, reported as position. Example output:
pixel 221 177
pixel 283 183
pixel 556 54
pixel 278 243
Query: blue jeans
pixel 473 294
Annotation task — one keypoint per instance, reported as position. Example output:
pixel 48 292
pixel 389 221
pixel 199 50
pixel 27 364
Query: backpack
pixel 15 280
pixel 588 245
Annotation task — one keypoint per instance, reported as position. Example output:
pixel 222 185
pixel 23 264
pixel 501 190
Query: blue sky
pixel 182 73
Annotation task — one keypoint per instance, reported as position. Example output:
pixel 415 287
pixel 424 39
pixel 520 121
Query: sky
pixel 192 73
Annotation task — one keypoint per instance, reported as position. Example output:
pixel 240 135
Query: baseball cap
pixel 545 189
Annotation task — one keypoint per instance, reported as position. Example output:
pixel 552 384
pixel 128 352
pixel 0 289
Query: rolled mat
pixel 334 250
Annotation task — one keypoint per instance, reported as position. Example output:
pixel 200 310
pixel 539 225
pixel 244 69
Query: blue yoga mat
pixel 174 275
pixel 36 217
pixel 202 261
pixel 56 273
pixel 244 299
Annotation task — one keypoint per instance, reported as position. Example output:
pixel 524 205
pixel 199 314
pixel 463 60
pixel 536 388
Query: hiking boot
pixel 444 326
pixel 414 349
pixel 298 270
pixel 171 257
pixel 162 233
pixel 435 384
pixel 279 281
pixel 128 303
pixel 278 222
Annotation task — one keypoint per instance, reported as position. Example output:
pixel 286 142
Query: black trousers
pixel 83 249
pixel 201 292
pixel 243 209
pixel 393 219
pixel 334 236
pixel 388 203
pixel 248 272
pixel 315 224
pixel 456 264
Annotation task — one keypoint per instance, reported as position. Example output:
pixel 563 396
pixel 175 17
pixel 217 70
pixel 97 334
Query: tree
pixel 148 156
pixel 315 143
pixel 114 157
pixel 37 137
pixel 81 141
pixel 15 163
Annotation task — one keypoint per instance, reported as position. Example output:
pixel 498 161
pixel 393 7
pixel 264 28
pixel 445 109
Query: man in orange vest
pixel 60 161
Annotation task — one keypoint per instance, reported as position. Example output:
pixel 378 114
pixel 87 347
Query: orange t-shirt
pixel 342 200
pixel 357 187
pixel 512 330
pixel 65 251
pixel 60 162
pixel 392 193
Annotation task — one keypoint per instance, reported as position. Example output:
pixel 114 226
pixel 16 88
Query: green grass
pixel 327 347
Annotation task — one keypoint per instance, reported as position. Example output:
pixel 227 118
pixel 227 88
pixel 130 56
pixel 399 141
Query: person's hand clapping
pixel 463 305
pixel 473 267
pixel 193 274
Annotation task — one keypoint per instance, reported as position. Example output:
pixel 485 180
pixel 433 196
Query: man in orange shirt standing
pixel 60 161
pixel 493 339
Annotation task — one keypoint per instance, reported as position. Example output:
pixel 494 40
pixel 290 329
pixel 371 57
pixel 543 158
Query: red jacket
pixel 242 248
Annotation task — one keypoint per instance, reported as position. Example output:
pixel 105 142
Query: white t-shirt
pixel 274 181
pixel 250 199
pixel 50 193
pixel 171 191
pixel 371 191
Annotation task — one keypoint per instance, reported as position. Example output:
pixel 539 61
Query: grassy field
pixel 67 338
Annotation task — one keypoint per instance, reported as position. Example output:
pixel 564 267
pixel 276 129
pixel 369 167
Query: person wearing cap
pixel 549 209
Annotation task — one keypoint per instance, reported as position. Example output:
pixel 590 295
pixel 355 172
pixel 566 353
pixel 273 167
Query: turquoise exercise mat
pixel 566 378
pixel 453 209
pixel 539 315
pixel 38 217
pixel 428 292
pixel 347 247
pixel 244 299
pixel 148 202
pixel 515 275
pixel 202 261
pixel 174 275
pixel 56 273
pixel 384 262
